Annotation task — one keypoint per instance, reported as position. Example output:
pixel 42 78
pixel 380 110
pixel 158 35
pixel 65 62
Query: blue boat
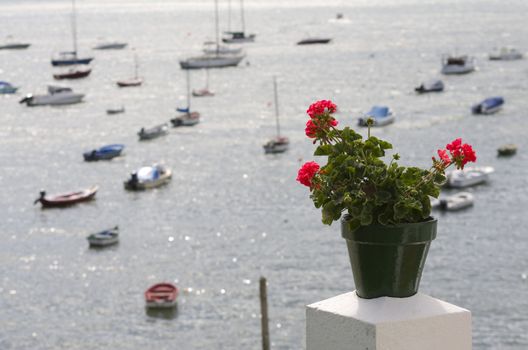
pixel 380 115
pixel 69 59
pixel 104 153
pixel 488 106
pixel 7 88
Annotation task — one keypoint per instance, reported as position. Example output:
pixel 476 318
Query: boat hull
pixel 161 296
pixel 211 62
pixel 153 133
pixel 129 83
pixel 313 41
pixel 456 69
pixel 8 90
pixel 68 199
pixel 53 100
pixel 15 46
pixel 110 46
pixel 73 75
pixel 147 185
pixel 70 61
pixel 186 120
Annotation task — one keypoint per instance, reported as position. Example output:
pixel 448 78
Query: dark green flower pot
pixel 388 260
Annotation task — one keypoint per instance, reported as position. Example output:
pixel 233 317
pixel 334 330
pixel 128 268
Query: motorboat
pixel 104 238
pixel 9 44
pixel 457 64
pixel 66 199
pixel 380 115
pixel 470 176
pixel 430 86
pixel 73 73
pixel 104 153
pixel 211 61
pixel 68 58
pixel 505 54
pixel 186 119
pixel 458 201
pixel 211 48
pixel 311 41
pixel 135 81
pixel 115 110
pixel 154 132
pixel 148 177
pixel 279 143
pixel 488 106
pixel 161 296
pixel 7 88
pixel 57 95
pixel 507 150
pixel 114 45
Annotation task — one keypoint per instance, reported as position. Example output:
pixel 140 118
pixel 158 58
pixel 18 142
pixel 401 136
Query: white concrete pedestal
pixel 420 322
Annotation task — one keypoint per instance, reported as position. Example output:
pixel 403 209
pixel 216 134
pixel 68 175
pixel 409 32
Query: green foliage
pixel 357 181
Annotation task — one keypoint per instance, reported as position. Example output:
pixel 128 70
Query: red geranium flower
pixel 321 107
pixel 461 153
pixel 307 172
pixel 311 129
pixel 444 157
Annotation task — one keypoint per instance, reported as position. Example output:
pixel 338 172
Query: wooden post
pixel 264 314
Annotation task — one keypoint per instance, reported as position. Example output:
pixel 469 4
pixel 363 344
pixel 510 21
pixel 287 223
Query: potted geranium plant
pixel 387 219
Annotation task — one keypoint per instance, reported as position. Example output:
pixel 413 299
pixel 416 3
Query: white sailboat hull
pixel 55 99
pixel 211 62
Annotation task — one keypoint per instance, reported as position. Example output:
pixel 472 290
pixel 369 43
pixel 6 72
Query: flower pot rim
pixel 404 233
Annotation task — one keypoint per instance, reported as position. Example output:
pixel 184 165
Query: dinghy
pixel 431 86
pixel 507 150
pixel 148 177
pixel 104 238
pixel 488 106
pixel 104 153
pixel 470 176
pixel 66 199
pixel 154 132
pixel 115 110
pixel 312 41
pixel 505 54
pixel 381 115
pixel 110 46
pixel 57 95
pixel 161 296
pixel 456 202
pixel 457 64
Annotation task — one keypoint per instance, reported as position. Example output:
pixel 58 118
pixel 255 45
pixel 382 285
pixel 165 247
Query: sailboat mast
pixel 135 66
pixel 228 15
pixel 276 104
pixel 242 16
pixel 217 29
pixel 188 91
pixel 74 28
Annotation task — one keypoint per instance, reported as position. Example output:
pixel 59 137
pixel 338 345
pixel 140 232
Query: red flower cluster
pixel 461 154
pixel 321 107
pixel 307 172
pixel 320 119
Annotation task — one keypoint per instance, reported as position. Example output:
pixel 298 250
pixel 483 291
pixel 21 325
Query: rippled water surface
pixel 231 213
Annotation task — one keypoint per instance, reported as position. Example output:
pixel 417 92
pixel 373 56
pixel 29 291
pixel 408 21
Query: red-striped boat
pixel 161 296
pixel 66 199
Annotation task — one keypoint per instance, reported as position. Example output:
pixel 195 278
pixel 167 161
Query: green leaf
pixel 324 150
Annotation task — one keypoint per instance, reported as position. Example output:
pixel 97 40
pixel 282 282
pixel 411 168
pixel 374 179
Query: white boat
pixel 279 143
pixel 115 45
pixel 234 37
pixel 134 81
pixel 154 132
pixel 104 238
pixel 505 54
pixel 187 118
pixel 457 64
pixel 455 202
pixel 57 95
pixel 211 48
pixel 430 86
pixel 148 177
pixel 469 176
pixel 488 106
pixel 380 116
pixel 215 60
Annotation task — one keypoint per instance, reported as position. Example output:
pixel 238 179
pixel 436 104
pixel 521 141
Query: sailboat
pixel 279 143
pixel 205 92
pixel 70 57
pixel 213 60
pixel 135 81
pixel 188 118
pixel 239 37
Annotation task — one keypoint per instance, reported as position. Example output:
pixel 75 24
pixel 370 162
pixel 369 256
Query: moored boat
pixel 380 116
pixel 104 153
pixel 154 132
pixel 277 144
pixel 74 73
pixel 430 86
pixel 469 176
pixel 7 88
pixel 57 95
pixel 104 238
pixel 505 54
pixel 457 64
pixel 115 45
pixel 458 201
pixel 66 199
pixel 488 106
pixel 14 46
pixel 312 41
pixel 186 119
pixel 211 61
pixel 161 295
pixel 507 150
pixel 115 110
pixel 148 177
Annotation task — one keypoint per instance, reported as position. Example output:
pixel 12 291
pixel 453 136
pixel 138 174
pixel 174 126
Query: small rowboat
pixel 73 74
pixel 66 199
pixel 104 153
pixel 431 86
pixel 130 82
pixel 104 238
pixel 507 150
pixel 187 119
pixel 154 132
pixel 488 106
pixel 115 110
pixel 161 296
